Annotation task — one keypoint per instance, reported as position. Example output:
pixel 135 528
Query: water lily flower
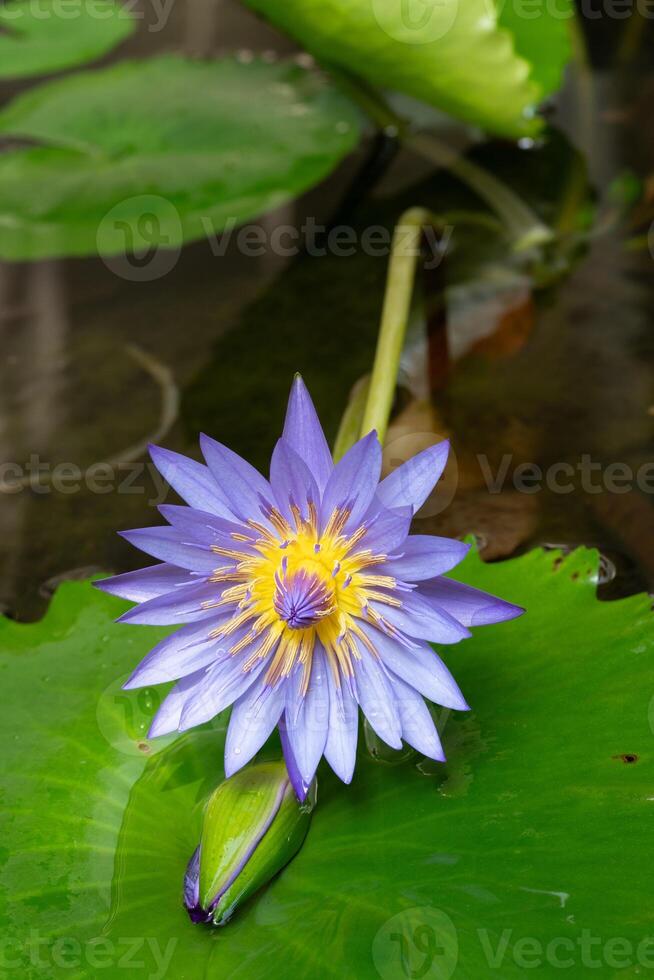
pixel 253 825
pixel 304 597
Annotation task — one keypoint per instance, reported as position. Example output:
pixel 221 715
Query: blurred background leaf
pixel 455 55
pixel 544 40
pixel 42 36
pixel 210 144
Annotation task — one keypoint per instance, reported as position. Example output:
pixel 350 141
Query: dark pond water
pixel 552 368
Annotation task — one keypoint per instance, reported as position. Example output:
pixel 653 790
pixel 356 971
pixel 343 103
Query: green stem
pixel 405 251
pixel 350 427
pixel 363 409
pixel 523 226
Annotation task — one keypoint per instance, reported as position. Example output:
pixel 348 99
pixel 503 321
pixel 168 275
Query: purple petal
pixel 418 727
pixel 377 700
pixel 421 667
pixel 412 482
pixel 192 889
pixel 291 480
pixel 223 684
pixel 300 785
pixel 425 556
pixel 182 653
pixel 242 485
pixel 341 745
pixel 202 528
pixel 147 583
pixel 307 717
pixel 303 432
pixel 166 544
pixel 472 607
pixel 253 718
pixel 354 480
pixel 423 618
pixel 185 605
pixel 167 717
pixel 192 481
pixel 387 530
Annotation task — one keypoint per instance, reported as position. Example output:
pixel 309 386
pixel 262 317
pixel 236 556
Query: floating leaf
pixel 42 36
pixel 452 54
pixel 531 837
pixel 146 155
pixel 544 40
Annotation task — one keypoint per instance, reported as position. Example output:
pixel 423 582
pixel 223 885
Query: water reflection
pixel 544 376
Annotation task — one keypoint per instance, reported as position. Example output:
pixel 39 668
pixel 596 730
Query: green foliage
pixel 457 55
pixel 152 154
pixel 535 829
pixel 42 36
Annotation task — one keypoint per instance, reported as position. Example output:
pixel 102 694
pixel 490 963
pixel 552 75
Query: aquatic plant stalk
pixel 350 427
pixel 405 251
pixel 523 225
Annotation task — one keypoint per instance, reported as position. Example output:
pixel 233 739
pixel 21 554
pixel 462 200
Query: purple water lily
pixel 304 598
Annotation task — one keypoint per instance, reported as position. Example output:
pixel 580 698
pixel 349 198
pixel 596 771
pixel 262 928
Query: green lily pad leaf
pixel 455 54
pixel 527 847
pixel 147 155
pixel 545 41
pixel 42 36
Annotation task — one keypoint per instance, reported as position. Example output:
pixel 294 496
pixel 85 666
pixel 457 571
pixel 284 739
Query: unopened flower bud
pixel 253 826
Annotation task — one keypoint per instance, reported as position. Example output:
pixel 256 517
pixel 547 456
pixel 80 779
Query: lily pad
pixel 543 37
pixel 457 55
pixel 143 156
pixel 528 847
pixel 42 36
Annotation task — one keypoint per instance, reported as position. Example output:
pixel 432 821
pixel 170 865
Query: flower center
pixel 303 598
pixel 303 584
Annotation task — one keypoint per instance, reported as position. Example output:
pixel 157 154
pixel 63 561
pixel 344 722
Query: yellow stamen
pixel 325 583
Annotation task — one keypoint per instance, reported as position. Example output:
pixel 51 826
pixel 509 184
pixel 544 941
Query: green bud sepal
pixel 253 826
